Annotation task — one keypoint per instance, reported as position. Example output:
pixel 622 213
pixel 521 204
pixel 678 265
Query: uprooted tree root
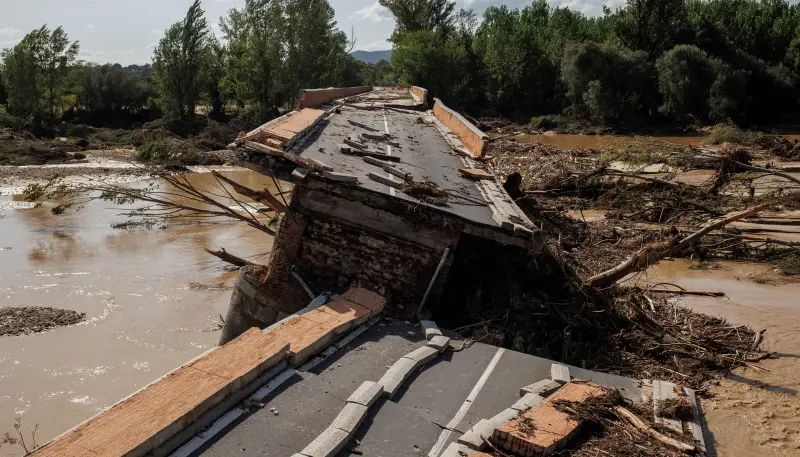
pixel 608 432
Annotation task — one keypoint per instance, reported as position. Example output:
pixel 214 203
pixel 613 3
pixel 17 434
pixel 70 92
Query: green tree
pixel 179 60
pixel 216 54
pixel 652 26
pixel 607 84
pixel 36 70
pixel 685 77
pixel 420 15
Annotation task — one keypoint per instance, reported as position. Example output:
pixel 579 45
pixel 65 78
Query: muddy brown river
pixel 153 300
pixel 566 141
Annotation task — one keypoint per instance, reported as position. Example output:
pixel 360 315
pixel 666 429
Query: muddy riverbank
pixel 152 299
pixel 753 411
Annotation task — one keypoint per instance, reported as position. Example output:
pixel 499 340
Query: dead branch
pixel 699 293
pixel 636 422
pixel 260 196
pixel 655 252
pixel 675 185
pixel 768 171
pixel 223 255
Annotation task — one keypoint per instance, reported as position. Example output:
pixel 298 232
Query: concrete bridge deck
pixel 415 421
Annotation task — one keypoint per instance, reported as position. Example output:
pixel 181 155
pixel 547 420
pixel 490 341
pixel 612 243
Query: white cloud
pixel 379 45
pixel 151 45
pixel 374 13
pixel 89 26
pixel 10 32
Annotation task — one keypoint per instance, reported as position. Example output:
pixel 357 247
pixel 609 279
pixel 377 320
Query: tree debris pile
pixel 34 319
pixel 612 427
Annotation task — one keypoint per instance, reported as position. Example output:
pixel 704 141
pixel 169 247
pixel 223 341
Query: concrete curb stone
pixel 394 376
pixel 430 329
pixel 440 342
pixel 422 355
pixel 527 402
pixel 366 394
pixel 350 417
pixel 560 373
pixel 327 444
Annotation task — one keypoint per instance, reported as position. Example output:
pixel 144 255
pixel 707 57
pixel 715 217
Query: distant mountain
pixel 372 56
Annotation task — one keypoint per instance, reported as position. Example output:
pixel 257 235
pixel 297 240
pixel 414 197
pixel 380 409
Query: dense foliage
pixel 270 50
pixel 680 61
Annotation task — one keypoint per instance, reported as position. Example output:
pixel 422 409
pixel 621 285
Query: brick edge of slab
pixel 182 429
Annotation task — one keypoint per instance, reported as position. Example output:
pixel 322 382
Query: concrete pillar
pixel 261 298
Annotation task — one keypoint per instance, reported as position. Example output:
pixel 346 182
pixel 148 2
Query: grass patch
pixel 34 152
pixel 727 133
pixel 789 265
pixel 173 151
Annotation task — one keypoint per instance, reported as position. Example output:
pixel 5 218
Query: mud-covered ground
pixel 33 319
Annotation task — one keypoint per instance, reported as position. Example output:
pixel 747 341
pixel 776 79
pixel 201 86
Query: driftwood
pixel 621 174
pixel 636 422
pixel 222 254
pixel 260 196
pixel 768 171
pixel 699 293
pixel 655 252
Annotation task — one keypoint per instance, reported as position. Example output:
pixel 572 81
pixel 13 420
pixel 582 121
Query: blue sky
pixel 126 31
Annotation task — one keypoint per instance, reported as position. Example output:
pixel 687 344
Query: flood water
pixel 153 300
pixel 753 413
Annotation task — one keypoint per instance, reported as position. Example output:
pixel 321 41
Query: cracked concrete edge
pixel 440 343
pixel 258 391
pixel 315 303
pixel 545 387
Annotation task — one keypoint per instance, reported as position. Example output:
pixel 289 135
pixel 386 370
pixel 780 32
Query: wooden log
pixel 222 254
pixel 655 252
pixel 260 196
pixel 636 422
pixel 476 173
pixel 355 144
pixel 363 126
pixel 360 153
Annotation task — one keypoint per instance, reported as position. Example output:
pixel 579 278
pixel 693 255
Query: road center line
pixel 388 151
pixel 445 435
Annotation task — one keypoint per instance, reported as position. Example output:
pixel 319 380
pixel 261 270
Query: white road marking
pixel 445 435
pixel 388 151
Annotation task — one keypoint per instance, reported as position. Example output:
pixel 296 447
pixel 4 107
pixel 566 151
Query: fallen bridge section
pixel 195 394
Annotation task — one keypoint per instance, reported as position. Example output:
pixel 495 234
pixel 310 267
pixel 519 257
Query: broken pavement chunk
pixel 340 177
pixel 430 328
pixel 384 180
pixel 545 387
pixel 476 173
pixel 456 450
pixel 527 402
pixel 559 373
pixel 350 418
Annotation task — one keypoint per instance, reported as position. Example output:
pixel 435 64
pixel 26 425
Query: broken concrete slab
pixel 440 342
pixel 394 376
pixel 430 328
pixel 456 450
pixel 350 418
pixel 544 388
pixel 559 373
pixel 340 177
pixel 327 444
pixel 694 426
pixel 366 394
pixel 472 438
pixel 527 402
pixel 384 180
pixel 422 355
pixel 662 391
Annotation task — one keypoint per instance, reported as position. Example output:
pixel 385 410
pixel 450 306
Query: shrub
pixel 685 77
pixel 8 120
pixel 548 122
pixel 728 133
pixel 172 151
pixel 80 131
